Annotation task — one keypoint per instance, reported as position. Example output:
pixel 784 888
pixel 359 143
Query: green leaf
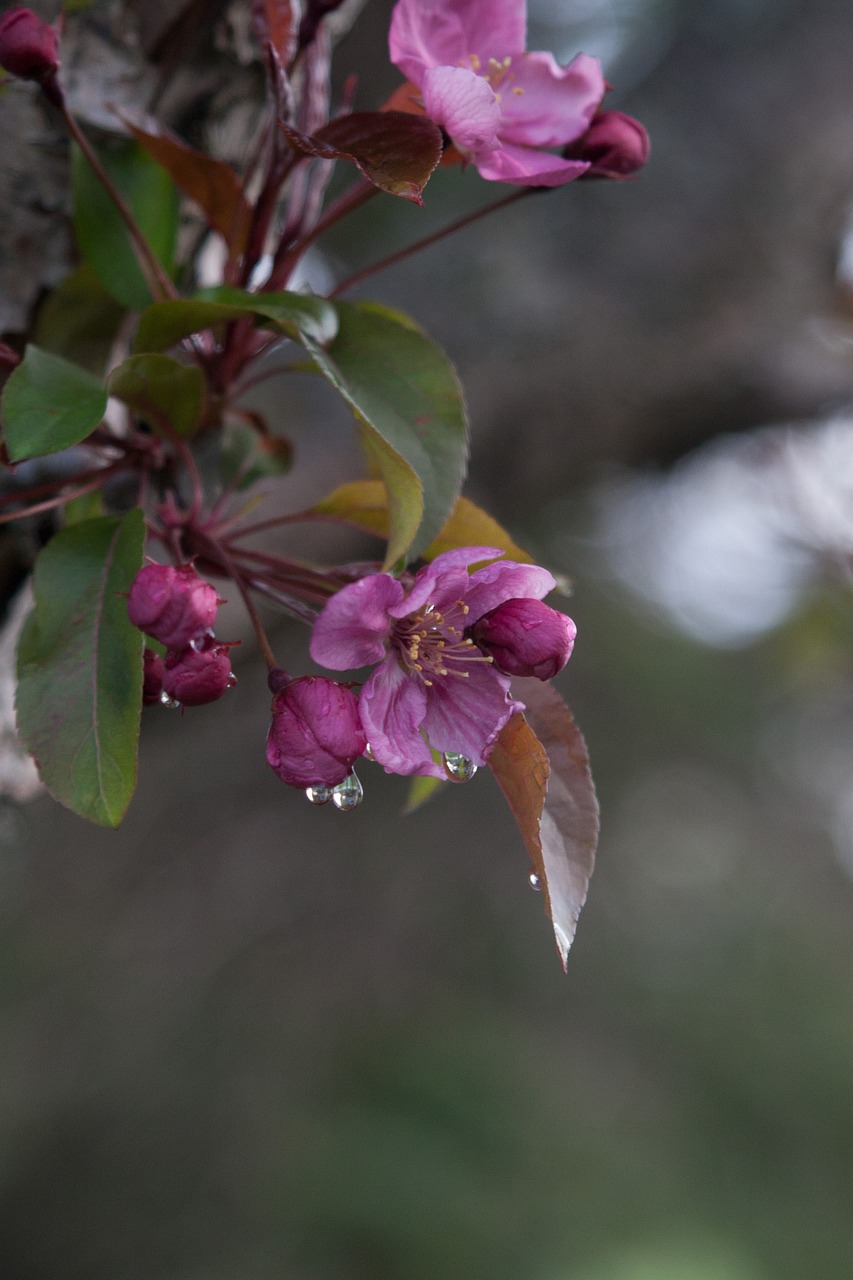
pixel 541 765
pixel 411 414
pixel 80 667
pixel 79 320
pixel 49 404
pixel 250 455
pixel 101 234
pixel 86 507
pixel 165 323
pixel 160 389
pixel 420 791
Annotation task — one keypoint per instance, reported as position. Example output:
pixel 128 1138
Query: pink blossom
pixel 501 107
pixel 315 736
pixel 173 605
pixel 526 638
pixel 615 144
pixel 198 674
pixel 28 46
pixel 434 690
pixel 152 678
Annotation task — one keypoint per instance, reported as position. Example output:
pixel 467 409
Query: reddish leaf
pixel 394 150
pixel 541 765
pixel 276 23
pixel 211 183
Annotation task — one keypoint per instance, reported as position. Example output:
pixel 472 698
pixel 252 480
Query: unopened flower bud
pixel 198 674
pixel 316 734
pixel 28 46
pixel 526 638
pixel 174 606
pixel 152 678
pixel 616 146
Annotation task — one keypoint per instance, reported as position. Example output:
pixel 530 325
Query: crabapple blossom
pixel 174 605
pixel 501 106
pixel 199 673
pixel 615 144
pixel 434 690
pixel 315 735
pixel 526 638
pixel 28 46
pixel 152 678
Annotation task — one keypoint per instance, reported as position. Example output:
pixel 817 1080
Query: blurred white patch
pixel 728 543
pixel 19 780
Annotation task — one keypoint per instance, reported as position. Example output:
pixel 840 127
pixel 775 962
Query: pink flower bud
pixel 28 46
pixel 198 674
pixel 526 638
pixel 316 734
pixel 615 145
pixel 152 678
pixel 174 606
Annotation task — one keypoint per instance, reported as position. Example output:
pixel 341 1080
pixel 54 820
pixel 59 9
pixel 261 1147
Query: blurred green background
pixel 243 1039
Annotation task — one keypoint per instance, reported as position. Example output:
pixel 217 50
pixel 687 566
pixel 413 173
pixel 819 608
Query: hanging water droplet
pixel 534 882
pixel 202 641
pixel 319 793
pixel 231 681
pixel 458 768
pixel 368 752
pixel 348 795
pixel 166 700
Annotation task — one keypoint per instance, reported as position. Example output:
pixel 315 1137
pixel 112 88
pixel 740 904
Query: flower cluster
pixel 506 109
pixel 445 647
pixel 178 608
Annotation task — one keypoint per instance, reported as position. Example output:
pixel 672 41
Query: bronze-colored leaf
pixel 542 767
pixel 276 23
pixel 393 149
pixel 211 183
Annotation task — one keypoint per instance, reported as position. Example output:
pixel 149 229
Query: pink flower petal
pixel 354 625
pixel 546 105
pixel 467 715
pixel 464 105
pixel 445 33
pixel 444 579
pixel 392 706
pixel 506 580
pixel 524 167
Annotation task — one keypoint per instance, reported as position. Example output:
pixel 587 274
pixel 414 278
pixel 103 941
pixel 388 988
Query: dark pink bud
pixel 28 46
pixel 615 145
pixel 9 359
pixel 174 606
pixel 198 674
pixel 152 678
pixel 316 734
pixel 526 638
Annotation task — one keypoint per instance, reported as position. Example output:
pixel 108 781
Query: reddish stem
pixel 103 474
pixel 155 275
pixel 465 221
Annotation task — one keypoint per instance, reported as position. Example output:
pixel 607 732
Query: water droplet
pixel 534 882
pixel 458 768
pixel 368 752
pixel 231 681
pixel 167 701
pixel 200 642
pixel 319 793
pixel 348 795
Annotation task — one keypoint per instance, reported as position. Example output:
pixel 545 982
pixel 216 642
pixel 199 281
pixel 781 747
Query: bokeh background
pixel 243 1039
